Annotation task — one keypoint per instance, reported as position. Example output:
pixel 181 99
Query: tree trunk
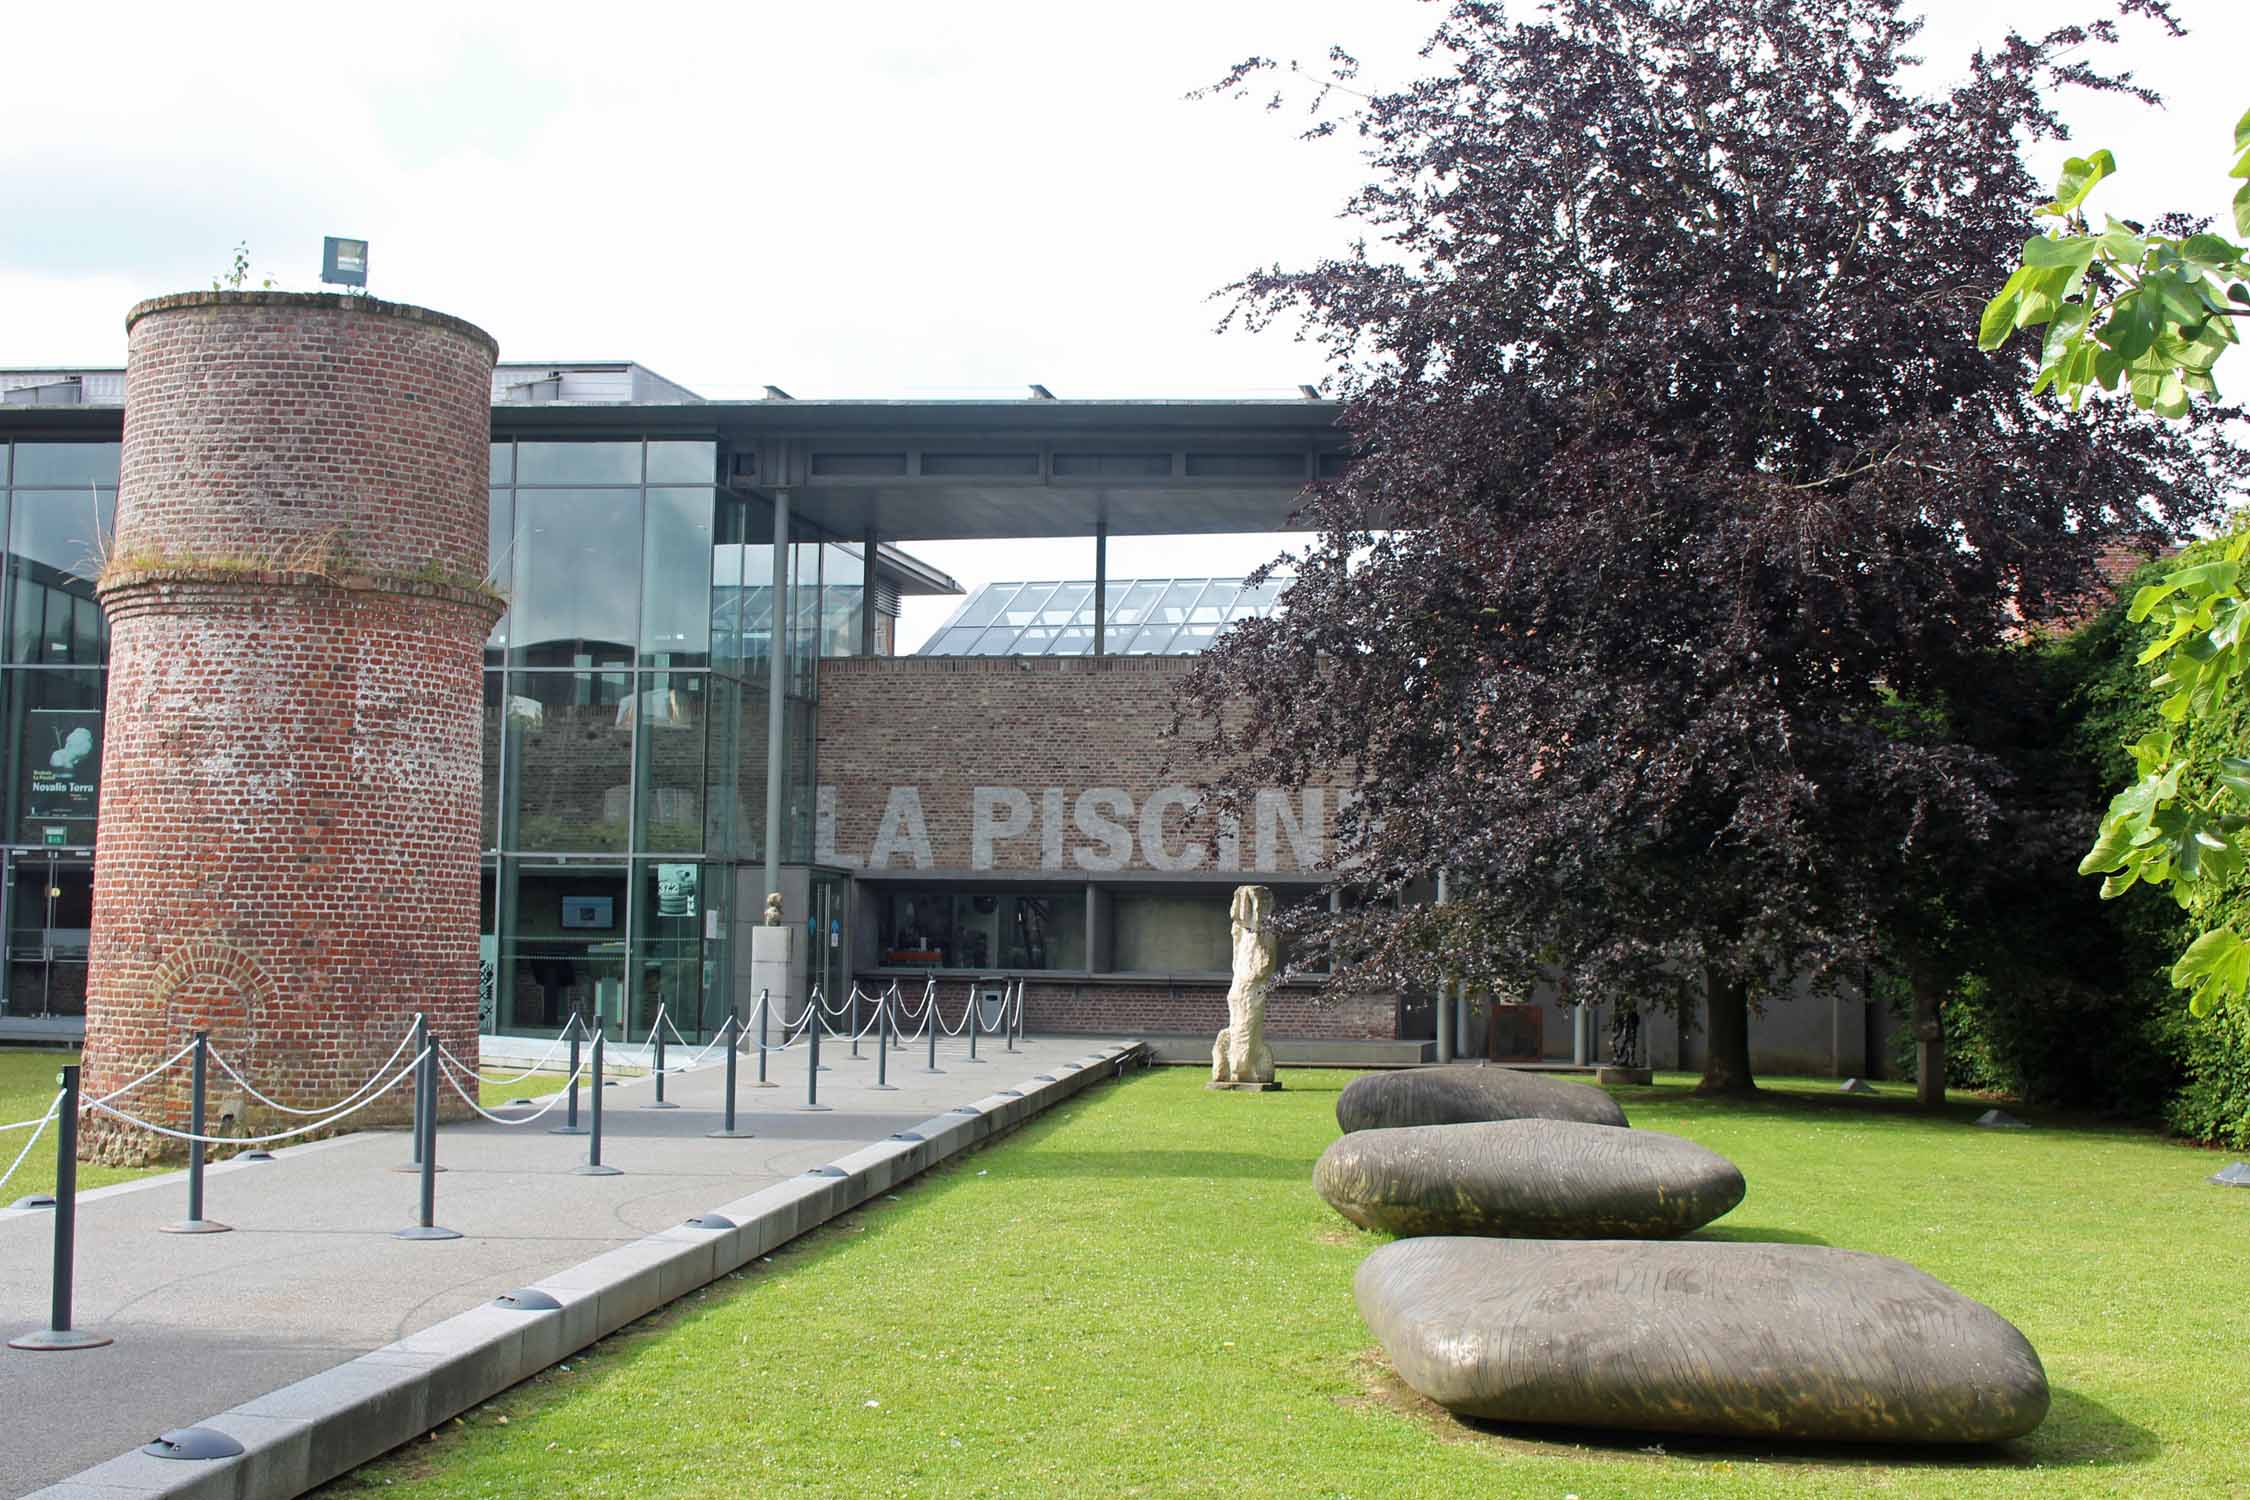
pixel 1726 1054
pixel 1929 1044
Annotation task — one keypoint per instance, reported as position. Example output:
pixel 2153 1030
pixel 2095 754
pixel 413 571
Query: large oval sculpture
pixel 1739 1340
pixel 1544 1179
pixel 1461 1095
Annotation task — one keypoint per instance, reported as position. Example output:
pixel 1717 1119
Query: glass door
pixel 50 912
pixel 825 959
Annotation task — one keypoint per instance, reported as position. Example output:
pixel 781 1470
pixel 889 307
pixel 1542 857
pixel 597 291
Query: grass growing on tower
pixel 1140 1294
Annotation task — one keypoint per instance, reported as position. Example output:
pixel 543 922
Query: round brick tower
pixel 288 844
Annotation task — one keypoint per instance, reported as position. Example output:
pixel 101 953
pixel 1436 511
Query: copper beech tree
pixel 1684 503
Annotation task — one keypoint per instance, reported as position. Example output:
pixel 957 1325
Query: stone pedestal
pixel 1610 1073
pixel 289 841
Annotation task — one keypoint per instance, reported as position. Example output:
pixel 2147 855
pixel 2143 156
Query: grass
pixel 1139 1294
pixel 27 1087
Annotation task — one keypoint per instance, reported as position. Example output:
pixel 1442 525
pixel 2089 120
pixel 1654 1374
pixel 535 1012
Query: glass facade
pixel 625 708
pixel 625 723
pixel 58 502
pixel 1141 616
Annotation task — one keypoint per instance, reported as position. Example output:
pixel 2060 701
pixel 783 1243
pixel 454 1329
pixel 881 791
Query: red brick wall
pixel 287 853
pixel 1051 728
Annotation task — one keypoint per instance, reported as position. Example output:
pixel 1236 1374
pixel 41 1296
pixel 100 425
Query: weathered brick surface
pixel 1085 742
pixel 1061 731
pixel 287 853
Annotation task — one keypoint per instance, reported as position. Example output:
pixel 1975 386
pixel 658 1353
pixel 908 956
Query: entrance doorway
pixel 825 964
pixel 50 911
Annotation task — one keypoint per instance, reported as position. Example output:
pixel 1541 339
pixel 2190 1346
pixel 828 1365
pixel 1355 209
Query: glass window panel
pixel 1078 640
pixel 54 551
pixel 683 463
pixel 986 605
pixel 570 754
pixel 1152 639
pixel 55 720
pixel 997 640
pixel 1171 934
pixel 499 565
pixel 843 584
pixel 804 630
pixel 797 795
pixel 727 560
pixel 722 792
pixel 667 964
pixel 676 564
pixel 958 642
pixel 67 464
pixel 564 953
pixel 577 576
pixel 750 744
pixel 669 713
pixel 495 695
pixel 503 463
pixel 578 463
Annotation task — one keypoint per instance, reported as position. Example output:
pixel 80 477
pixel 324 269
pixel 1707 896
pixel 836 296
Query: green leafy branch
pixel 2151 312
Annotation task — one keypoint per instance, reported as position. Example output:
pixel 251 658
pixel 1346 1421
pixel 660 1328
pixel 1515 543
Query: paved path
pixel 311 1275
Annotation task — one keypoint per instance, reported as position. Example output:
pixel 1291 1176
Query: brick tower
pixel 288 845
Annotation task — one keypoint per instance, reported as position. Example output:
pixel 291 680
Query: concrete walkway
pixel 312 1277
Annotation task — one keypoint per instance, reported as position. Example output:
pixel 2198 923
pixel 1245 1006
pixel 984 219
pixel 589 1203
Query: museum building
pixel 694 697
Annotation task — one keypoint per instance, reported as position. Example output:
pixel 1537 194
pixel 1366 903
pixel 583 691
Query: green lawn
pixel 1140 1294
pixel 27 1087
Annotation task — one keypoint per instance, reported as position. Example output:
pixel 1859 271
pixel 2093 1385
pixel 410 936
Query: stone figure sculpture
pixel 1240 1058
pixel 773 909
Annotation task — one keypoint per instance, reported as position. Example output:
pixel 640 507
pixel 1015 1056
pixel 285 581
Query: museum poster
pixel 62 765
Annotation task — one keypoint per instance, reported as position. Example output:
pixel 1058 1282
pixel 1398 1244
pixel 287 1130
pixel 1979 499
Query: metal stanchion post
pixel 816 1016
pixel 930 1024
pixel 426 1226
pixel 727 1131
pixel 974 1028
pixel 763 1082
pixel 570 1125
pixel 661 1102
pixel 883 1082
pixel 812 1070
pixel 593 1166
pixel 58 1334
pixel 195 1223
pixel 1009 1014
pixel 422 1081
pixel 855 1020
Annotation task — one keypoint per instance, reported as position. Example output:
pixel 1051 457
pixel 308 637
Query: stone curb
pixel 305 1434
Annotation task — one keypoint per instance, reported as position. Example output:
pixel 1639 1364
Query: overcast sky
pixel 869 200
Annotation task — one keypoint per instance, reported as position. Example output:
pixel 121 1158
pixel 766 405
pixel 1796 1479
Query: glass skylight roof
pixel 1147 616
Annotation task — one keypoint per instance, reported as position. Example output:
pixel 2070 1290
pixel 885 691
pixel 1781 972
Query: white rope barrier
pixel 537 1067
pixel 445 1058
pixel 261 1140
pixel 145 1077
pixel 272 1103
pixel 40 1128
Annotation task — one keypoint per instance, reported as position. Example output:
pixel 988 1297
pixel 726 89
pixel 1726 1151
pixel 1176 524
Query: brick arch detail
pixel 200 961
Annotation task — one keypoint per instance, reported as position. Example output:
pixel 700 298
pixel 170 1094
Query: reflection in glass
pixel 683 463
pixel 577 576
pixel 578 463
pixel 55 541
pixel 668 966
pixel 77 464
pixel 570 753
pixel 495 694
pixel 722 793
pixel 669 712
pixel 564 949
pixel 676 579
pixel 499 566
pixel 503 463
pixel 843 583
pixel 54 727
pixel 938 929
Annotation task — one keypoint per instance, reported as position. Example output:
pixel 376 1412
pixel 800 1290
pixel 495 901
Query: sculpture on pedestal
pixel 1240 1058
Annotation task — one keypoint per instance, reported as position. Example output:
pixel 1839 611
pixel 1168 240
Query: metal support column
pixel 1101 587
pixel 868 545
pixel 777 691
